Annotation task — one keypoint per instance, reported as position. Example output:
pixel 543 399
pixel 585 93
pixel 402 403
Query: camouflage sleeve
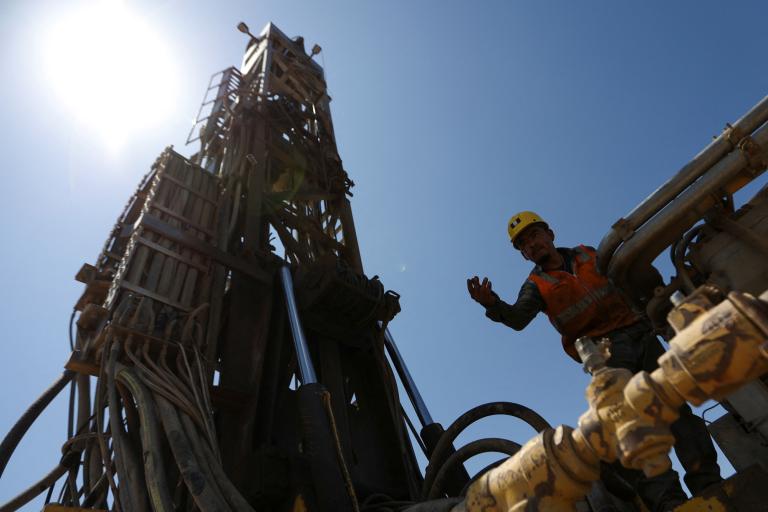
pixel 518 315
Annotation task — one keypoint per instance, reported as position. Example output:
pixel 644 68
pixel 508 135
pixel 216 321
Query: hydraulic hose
pixel 133 493
pixel 16 434
pixel 678 258
pixel 319 448
pixel 445 444
pixel 204 493
pixel 491 444
pixel 69 460
pixel 431 435
pixel 205 456
pixel 154 468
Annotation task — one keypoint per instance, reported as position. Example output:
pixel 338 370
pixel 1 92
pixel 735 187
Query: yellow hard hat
pixel 519 221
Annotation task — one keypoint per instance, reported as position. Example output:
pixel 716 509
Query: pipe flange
pixel 755 154
pixel 733 134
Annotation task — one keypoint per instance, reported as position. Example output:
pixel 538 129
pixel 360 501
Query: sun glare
pixel 112 71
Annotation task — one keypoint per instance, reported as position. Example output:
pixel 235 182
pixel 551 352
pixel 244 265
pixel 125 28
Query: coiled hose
pixel 443 449
pixel 490 444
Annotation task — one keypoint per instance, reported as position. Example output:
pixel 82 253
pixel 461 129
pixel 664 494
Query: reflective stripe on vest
pixel 573 311
pixel 547 277
pixel 581 302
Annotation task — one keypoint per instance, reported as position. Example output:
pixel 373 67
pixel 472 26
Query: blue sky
pixel 449 116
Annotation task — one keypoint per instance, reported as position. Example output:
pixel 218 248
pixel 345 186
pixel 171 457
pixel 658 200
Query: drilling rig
pixel 230 353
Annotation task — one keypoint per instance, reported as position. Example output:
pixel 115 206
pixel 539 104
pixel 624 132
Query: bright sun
pixel 112 71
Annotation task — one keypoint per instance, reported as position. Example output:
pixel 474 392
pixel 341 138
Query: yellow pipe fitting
pixel 695 304
pixel 671 375
pixel 645 437
pixel 576 458
pixel 718 352
pixel 550 473
pixel 605 395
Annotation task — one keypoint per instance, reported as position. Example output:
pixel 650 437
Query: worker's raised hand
pixel 481 292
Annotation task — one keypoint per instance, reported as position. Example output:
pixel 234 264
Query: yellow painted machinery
pixel 714 311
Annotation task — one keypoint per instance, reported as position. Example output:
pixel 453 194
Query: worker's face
pixel 537 244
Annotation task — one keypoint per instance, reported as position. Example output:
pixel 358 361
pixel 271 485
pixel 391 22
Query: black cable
pixel 61 492
pixel 71 323
pixel 705 411
pixel 50 494
pixel 680 248
pixel 14 436
pixel 464 453
pixel 445 444
pixel 71 411
pixel 414 432
pixel 673 250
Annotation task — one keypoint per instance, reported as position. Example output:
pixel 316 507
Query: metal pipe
pixel 306 370
pixel 405 377
pixel 688 208
pixel 662 196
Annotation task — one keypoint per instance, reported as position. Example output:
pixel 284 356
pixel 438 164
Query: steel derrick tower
pixel 189 326
pixel 229 351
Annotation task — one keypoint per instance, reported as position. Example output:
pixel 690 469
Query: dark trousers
pixel 636 348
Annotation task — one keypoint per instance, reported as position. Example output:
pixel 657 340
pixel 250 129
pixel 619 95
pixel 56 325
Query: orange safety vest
pixel 582 303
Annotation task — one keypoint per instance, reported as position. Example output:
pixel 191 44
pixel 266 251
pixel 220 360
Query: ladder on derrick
pixel 210 122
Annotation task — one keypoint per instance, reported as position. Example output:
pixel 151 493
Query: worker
pixel 565 284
